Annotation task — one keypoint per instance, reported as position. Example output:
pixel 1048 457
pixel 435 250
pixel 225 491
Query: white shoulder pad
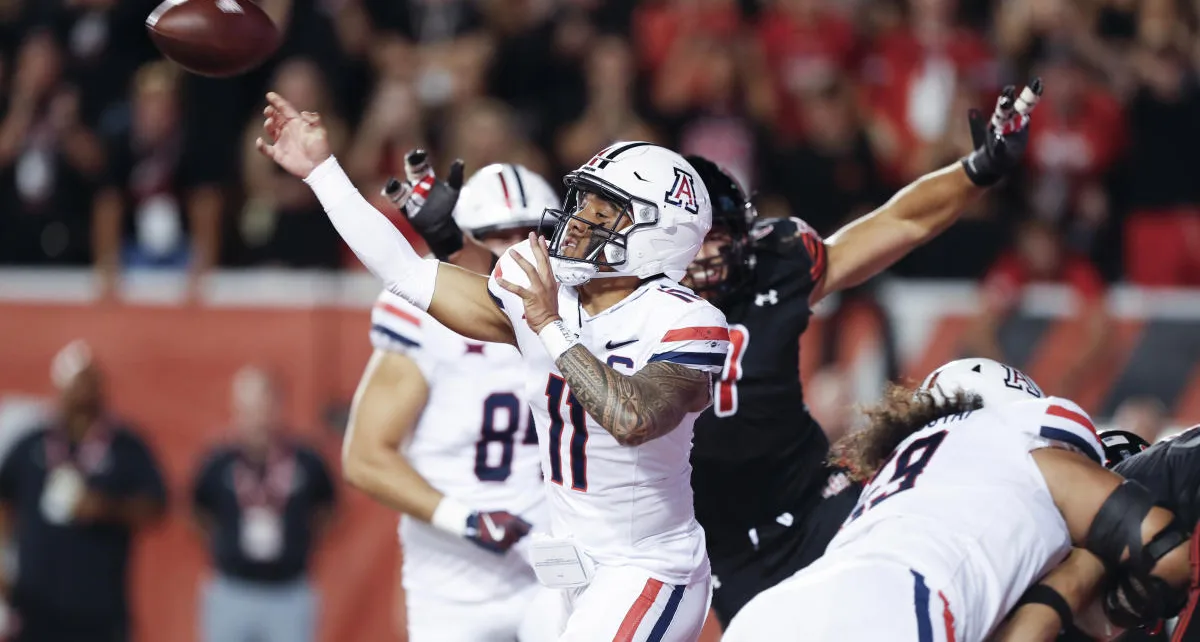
pixel 1062 421
pixel 396 324
pixel 697 337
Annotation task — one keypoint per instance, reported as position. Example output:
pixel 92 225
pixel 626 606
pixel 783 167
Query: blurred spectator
pixel 263 504
pixel 49 161
pixel 716 96
pixel 911 78
pixel 104 42
pixel 1039 256
pixel 149 207
pixel 537 63
pixel 1095 31
pixel 392 123
pixel 282 223
pixel 610 114
pixel 451 49
pixel 79 488
pixel 1144 416
pixel 831 177
pixel 1162 233
pixel 483 132
pixel 808 46
pixel 662 27
pixel 1080 133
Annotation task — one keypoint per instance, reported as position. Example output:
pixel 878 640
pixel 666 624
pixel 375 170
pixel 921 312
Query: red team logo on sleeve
pixel 683 192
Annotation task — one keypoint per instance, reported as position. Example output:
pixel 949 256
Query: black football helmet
pixel 717 277
pixel 1120 445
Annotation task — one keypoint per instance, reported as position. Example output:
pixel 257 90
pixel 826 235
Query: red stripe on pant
pixel 1187 617
pixel 633 617
pixel 947 617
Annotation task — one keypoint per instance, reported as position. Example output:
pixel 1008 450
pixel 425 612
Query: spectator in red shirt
pixel 807 46
pixel 1039 257
pixel 657 26
pixel 1072 151
pixel 911 78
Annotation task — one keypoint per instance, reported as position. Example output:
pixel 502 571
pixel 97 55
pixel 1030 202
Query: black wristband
pixel 1042 594
pixel 445 239
pixel 981 169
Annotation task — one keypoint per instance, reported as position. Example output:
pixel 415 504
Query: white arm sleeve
pixel 376 242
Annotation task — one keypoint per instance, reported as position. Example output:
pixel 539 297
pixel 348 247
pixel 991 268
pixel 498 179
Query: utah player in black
pixel 1169 473
pixel 767 499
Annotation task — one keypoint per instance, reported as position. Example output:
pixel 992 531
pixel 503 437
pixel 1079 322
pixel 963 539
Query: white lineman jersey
pixel 625 505
pixel 475 442
pixel 963 504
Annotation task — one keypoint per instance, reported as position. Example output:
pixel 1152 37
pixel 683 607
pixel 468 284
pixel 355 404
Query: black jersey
pixel 1171 471
pixel 758 452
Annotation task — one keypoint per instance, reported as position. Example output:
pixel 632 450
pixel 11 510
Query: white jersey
pixel 475 442
pixel 962 503
pixel 625 505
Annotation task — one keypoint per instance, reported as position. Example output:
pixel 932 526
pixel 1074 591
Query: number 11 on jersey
pixel 555 388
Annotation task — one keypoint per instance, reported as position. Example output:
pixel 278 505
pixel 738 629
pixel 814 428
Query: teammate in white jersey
pixel 615 350
pixel 470 464
pixel 979 485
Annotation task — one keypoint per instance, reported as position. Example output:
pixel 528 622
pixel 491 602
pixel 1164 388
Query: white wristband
pixel 557 338
pixel 330 183
pixel 451 516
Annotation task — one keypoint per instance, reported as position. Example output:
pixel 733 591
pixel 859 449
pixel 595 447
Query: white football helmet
pixel 994 382
pixel 666 215
pixel 503 196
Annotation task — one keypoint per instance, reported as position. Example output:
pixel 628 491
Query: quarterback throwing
pixel 619 362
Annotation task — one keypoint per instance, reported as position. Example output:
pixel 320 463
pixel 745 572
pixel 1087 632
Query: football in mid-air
pixel 218 38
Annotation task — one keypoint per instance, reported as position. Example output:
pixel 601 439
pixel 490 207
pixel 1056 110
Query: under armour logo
pixel 230 6
pixel 767 298
pixel 475 348
pixel 785 520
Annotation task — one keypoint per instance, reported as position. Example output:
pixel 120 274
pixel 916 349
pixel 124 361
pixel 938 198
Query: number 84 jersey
pixel 475 442
pixel 962 503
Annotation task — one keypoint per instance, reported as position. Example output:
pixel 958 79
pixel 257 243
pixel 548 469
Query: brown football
pixel 217 38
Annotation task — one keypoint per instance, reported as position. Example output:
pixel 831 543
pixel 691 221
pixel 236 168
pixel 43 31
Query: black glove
pixel 496 531
pixel 428 203
pixel 1000 143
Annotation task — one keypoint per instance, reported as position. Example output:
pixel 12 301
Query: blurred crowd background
pixel 110 157
pixel 115 165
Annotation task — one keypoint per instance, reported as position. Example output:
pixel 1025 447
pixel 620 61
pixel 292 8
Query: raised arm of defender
pixel 867 246
pixel 300 146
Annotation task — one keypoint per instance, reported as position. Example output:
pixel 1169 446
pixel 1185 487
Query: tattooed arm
pixel 634 408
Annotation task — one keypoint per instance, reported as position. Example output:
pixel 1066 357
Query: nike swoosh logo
pixel 613 345
pixel 495 533
pixel 639 177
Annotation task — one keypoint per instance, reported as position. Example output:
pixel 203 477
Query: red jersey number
pixel 725 393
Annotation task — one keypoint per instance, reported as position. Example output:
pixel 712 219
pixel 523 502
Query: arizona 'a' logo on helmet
pixel 683 191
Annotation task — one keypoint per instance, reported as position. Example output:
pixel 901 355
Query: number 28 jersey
pixel 962 502
pixel 625 505
pixel 474 442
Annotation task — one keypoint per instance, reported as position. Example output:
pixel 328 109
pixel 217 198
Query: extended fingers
pixel 267 150
pixel 530 271
pixel 282 105
pixel 541 254
pixel 512 287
